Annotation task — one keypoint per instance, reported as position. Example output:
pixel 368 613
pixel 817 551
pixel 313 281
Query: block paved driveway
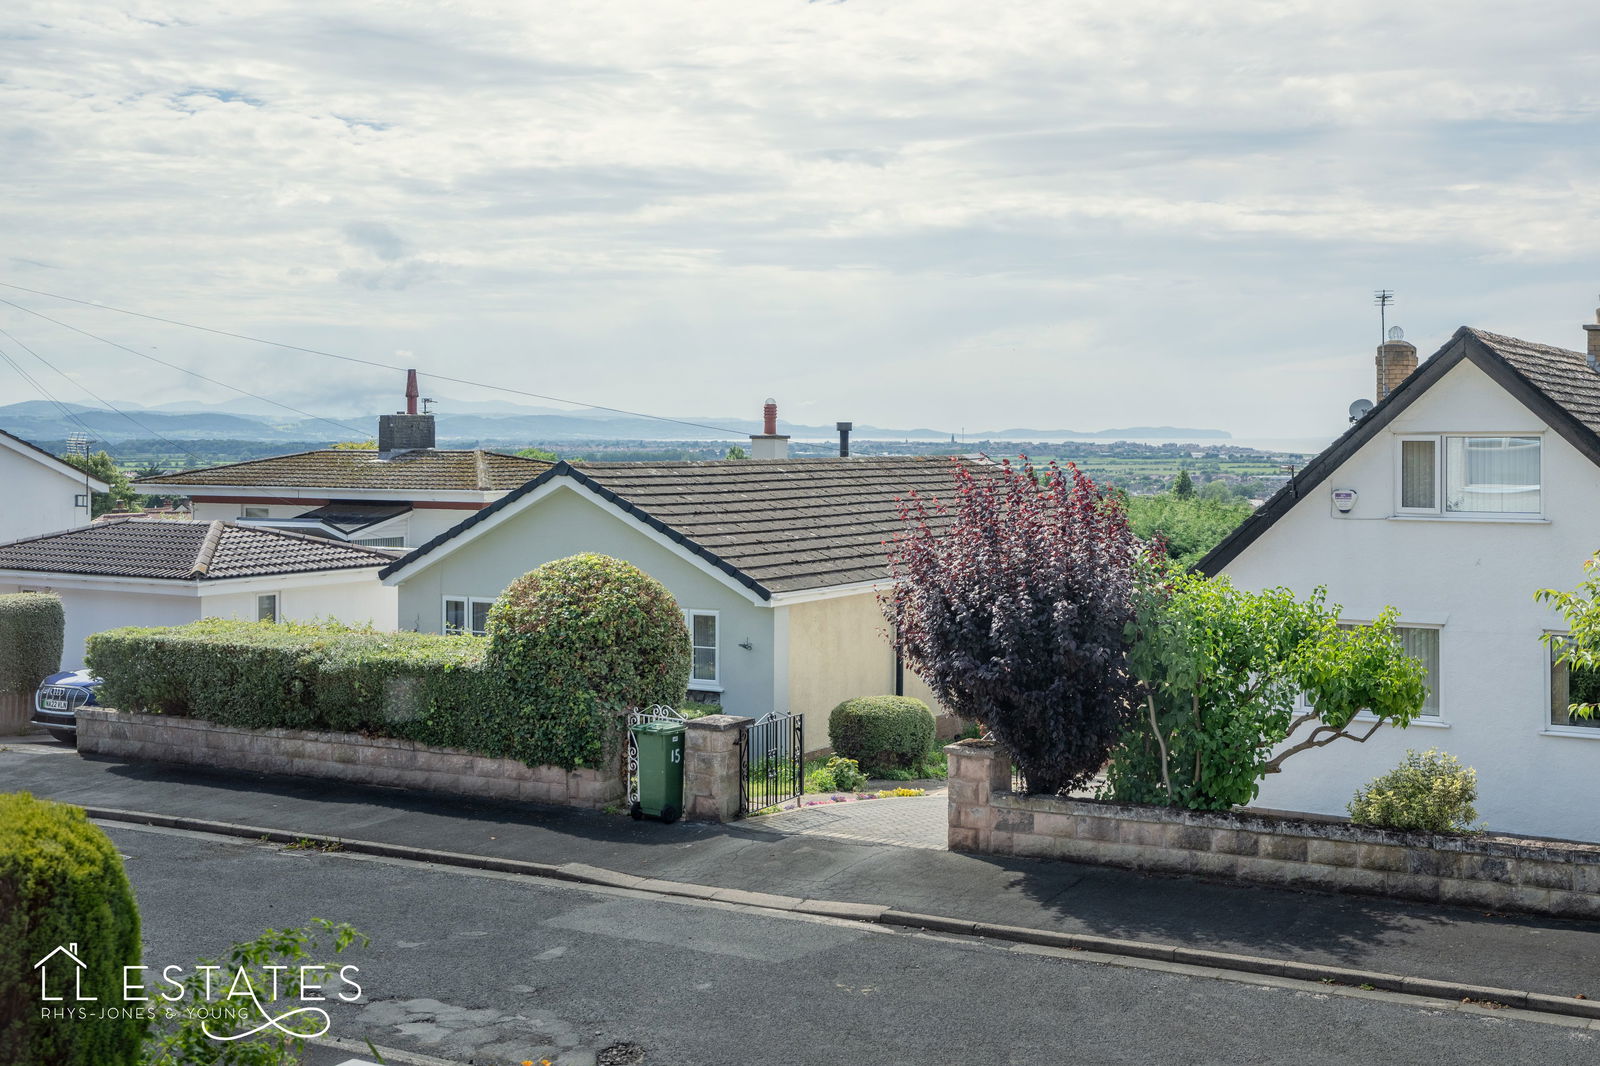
pixel 904 821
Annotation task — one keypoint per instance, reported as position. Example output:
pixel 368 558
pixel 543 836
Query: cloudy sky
pixel 927 213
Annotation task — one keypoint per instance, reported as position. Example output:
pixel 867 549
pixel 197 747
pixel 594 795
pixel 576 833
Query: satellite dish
pixel 1359 409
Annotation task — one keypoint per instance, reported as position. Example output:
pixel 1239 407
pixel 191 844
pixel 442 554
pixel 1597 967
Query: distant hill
pixel 482 422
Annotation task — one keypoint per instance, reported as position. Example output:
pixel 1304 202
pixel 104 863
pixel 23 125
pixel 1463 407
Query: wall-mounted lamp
pixel 746 645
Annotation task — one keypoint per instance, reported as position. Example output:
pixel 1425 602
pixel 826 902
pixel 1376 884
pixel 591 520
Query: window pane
pixel 705 664
pixel 1568 686
pixel 455 616
pixel 480 616
pixel 1423 646
pixel 1496 475
pixel 266 608
pixel 705 631
pixel 1417 474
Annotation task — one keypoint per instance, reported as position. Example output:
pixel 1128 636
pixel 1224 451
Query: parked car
pixel 55 705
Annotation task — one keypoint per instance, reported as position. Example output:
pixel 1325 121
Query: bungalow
pixel 42 492
pixel 1469 486
pixel 159 572
pixel 403 493
pixel 775 562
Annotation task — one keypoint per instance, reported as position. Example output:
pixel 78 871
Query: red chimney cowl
pixel 769 417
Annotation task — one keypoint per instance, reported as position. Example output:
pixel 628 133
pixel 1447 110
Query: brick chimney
pixel 408 431
pixel 1397 358
pixel 1593 330
pixel 769 443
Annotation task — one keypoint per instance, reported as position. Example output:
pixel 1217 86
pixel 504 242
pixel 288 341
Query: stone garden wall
pixel 1478 870
pixel 340 756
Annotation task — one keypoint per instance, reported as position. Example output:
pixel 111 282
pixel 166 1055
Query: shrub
pixel 32 629
pixel 1014 612
pixel 1429 790
pixel 838 774
pixel 576 641
pixel 882 732
pixel 62 883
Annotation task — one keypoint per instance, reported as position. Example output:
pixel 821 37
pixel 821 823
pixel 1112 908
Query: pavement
pixel 492 969
pixel 811 857
pixel 900 821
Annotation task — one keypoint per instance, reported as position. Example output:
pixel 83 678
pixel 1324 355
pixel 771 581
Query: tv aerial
pixel 1359 409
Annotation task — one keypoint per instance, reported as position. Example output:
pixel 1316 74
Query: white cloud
pixel 918 213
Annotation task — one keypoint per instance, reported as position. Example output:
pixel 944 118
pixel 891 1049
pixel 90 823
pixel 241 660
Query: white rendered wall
pixel 1475 579
pixel 357 600
pixel 92 611
pixel 37 499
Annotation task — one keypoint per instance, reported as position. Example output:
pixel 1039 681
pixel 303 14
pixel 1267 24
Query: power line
pixel 66 411
pixel 199 462
pixel 368 362
pixel 186 370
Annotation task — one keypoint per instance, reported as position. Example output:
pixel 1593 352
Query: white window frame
pixel 467 604
pixel 1548 727
pixel 705 684
pixel 277 606
pixel 244 512
pixel 1440 473
pixel 1433 721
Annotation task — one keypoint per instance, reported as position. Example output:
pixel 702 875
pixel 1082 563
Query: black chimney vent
pixel 844 429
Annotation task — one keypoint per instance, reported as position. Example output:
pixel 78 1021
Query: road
pixel 493 969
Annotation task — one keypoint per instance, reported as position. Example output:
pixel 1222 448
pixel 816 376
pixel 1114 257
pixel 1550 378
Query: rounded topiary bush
pixel 32 625
pixel 882 732
pixel 577 641
pixel 62 884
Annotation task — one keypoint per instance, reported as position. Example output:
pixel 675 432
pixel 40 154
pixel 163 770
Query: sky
pixel 953 215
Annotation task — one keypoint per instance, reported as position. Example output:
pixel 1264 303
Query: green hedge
pixel 882 732
pixel 32 632
pixel 62 883
pixel 430 689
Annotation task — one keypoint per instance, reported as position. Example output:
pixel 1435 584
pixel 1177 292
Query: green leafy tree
pixel 736 452
pixel 538 453
pixel 1217 490
pixel 1188 526
pixel 368 445
pixel 100 465
pixel 1220 672
pixel 1183 486
pixel 1579 647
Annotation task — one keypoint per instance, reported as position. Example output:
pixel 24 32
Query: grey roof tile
pixel 431 469
pixel 183 551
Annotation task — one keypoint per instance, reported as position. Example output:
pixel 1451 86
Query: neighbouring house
pixel 150 572
pixel 775 562
pixel 401 494
pixel 43 493
pixel 1470 485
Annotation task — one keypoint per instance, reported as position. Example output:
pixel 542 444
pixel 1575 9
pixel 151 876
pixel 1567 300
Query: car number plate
pixel 53 704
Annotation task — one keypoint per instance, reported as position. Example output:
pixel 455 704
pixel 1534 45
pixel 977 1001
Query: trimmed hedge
pixel 882 732
pixel 32 634
pixel 430 689
pixel 577 641
pixel 62 883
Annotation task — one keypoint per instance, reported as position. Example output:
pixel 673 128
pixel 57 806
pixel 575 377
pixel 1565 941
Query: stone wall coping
pixel 718 723
pixel 1492 844
pixel 982 749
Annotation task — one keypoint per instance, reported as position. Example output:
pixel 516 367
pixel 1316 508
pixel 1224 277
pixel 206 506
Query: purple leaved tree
pixel 1012 604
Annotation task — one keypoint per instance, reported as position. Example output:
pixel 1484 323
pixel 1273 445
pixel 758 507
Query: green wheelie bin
pixel 660 747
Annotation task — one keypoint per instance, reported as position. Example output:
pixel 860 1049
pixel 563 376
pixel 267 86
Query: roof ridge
pixel 208 549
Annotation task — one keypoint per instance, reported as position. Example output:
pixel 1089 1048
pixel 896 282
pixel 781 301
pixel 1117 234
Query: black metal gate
pixel 771 762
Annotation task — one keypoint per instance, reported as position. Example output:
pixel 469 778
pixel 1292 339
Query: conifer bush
pixel 62 883
pixel 32 629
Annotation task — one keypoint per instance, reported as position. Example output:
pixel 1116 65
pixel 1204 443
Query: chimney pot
pixel 844 429
pixel 411 392
pixel 1396 360
pixel 769 443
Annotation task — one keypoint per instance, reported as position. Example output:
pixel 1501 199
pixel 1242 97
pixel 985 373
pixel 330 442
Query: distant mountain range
pixel 469 423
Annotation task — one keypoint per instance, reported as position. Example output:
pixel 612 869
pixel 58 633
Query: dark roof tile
pixel 431 469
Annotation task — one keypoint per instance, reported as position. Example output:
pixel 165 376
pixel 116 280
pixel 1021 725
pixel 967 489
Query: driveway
pixel 904 822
